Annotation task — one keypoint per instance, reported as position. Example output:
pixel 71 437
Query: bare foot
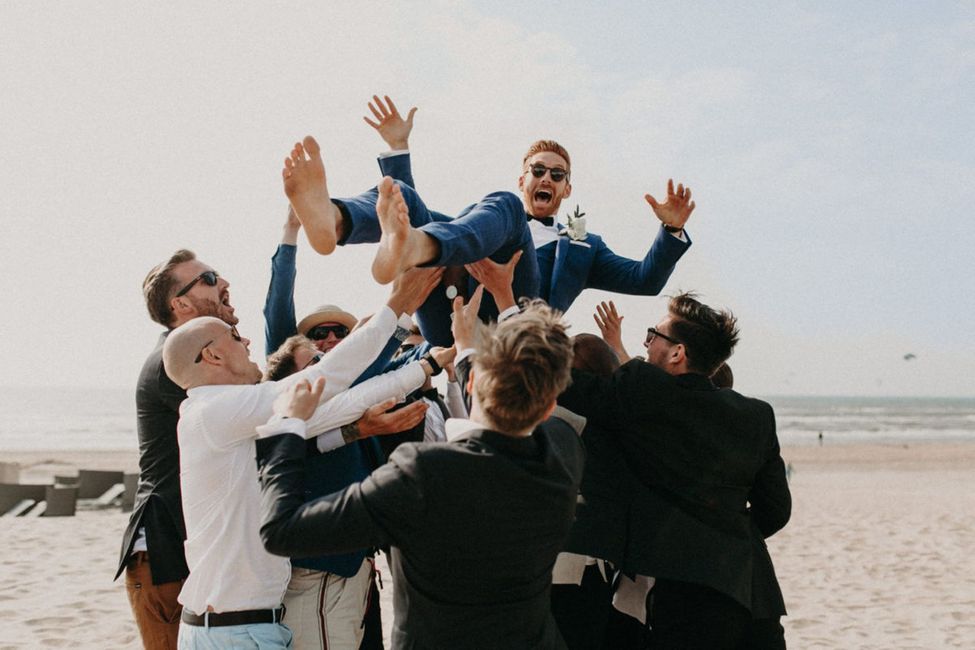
pixel 394 219
pixel 305 187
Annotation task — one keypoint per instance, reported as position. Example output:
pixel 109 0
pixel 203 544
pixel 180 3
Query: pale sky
pixel 829 147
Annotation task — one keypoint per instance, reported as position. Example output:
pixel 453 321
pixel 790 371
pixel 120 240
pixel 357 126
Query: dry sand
pixel 878 554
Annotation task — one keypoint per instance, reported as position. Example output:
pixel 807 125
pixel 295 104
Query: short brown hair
pixel 709 336
pixel 281 364
pixel 521 366
pixel 593 354
pixel 547 145
pixel 159 285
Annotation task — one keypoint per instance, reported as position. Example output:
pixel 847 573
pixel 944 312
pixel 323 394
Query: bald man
pixel 235 587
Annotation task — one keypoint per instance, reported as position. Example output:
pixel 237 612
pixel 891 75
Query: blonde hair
pixel 521 366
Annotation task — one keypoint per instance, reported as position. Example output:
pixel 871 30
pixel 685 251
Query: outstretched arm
pixel 391 127
pixel 361 515
pixel 279 305
pixel 610 325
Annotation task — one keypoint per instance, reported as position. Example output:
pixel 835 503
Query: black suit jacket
pixel 475 526
pixel 158 506
pixel 707 468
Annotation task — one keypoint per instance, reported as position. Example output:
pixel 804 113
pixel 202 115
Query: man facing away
pixel 152 557
pixel 495 227
pixel 708 469
pixel 233 594
pixel 475 524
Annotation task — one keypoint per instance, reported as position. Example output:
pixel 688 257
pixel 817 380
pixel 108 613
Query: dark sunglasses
pixel 315 359
pixel 653 331
pixel 234 334
pixel 209 278
pixel 557 173
pixel 321 332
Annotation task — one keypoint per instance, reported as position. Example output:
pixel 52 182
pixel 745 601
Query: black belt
pixel 223 619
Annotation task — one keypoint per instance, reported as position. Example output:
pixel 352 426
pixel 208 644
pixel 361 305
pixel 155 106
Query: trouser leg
pixel 581 611
pixel 325 610
pixel 691 617
pixel 155 607
pixel 372 625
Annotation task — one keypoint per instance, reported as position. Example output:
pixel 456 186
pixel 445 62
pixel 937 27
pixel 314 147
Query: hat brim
pixel 327 316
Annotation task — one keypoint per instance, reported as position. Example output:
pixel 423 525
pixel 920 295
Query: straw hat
pixel 326 314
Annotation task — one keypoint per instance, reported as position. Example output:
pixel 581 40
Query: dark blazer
pixel 708 468
pixel 475 526
pixel 158 506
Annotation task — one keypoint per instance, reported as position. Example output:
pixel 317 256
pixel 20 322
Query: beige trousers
pixel 325 610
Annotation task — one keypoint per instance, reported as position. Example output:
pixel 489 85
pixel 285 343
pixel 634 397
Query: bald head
pixel 184 345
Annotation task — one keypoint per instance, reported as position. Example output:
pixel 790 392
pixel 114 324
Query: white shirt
pixel 229 568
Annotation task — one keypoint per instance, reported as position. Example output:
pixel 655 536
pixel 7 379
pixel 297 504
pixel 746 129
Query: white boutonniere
pixel 576 228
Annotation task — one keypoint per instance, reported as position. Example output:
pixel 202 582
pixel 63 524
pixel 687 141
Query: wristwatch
pixel 428 357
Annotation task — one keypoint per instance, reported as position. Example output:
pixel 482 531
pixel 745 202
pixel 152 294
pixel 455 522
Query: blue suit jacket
pixel 587 264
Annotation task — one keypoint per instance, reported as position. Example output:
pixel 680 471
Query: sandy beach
pixel 877 555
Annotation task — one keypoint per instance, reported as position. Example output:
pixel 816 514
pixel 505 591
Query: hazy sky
pixel 830 149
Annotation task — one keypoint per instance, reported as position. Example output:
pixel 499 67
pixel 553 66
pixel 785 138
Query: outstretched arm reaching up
pixel 610 325
pixel 391 127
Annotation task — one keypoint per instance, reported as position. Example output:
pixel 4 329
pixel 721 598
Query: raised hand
pixel 300 400
pixel 412 287
pixel 291 227
pixel 610 325
pixel 443 356
pixel 496 278
pixel 392 128
pixel 677 209
pixel 465 319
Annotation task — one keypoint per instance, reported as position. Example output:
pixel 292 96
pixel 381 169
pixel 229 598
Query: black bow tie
pixel 548 221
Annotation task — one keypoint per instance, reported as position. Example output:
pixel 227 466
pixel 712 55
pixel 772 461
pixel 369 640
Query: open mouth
pixel 225 299
pixel 543 195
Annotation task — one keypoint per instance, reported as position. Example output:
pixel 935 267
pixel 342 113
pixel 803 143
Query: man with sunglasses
pixel 176 291
pixel 565 261
pixel 234 587
pixel 708 474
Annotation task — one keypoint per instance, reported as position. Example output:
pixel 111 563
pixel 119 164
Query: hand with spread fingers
pixel 610 325
pixel 379 420
pixel 392 128
pixel 675 212
pixel 496 278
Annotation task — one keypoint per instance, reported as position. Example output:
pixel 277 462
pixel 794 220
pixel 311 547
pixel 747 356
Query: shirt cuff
pixel 676 235
pixel 513 310
pixel 394 152
pixel 329 440
pixel 463 354
pixel 279 424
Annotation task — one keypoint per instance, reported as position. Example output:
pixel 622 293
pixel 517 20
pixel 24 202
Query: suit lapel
pixel 561 254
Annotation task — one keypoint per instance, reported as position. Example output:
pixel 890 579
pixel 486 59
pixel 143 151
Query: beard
pixel 208 307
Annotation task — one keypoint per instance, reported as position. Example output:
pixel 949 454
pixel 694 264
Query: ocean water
pixel 104 419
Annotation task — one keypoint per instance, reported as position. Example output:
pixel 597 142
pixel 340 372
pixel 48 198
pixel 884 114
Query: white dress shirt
pixel 229 568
